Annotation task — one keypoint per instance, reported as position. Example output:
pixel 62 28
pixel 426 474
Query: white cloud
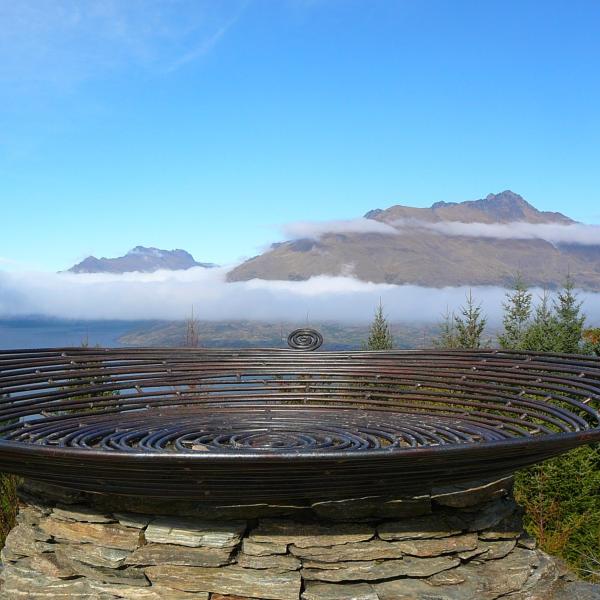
pixel 576 233
pixel 66 41
pixel 316 229
pixel 170 294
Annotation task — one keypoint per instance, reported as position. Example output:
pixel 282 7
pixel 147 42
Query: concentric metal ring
pixel 258 425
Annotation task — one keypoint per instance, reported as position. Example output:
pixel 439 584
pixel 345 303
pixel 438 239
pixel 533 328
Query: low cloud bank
pixel 316 229
pixel 576 233
pixel 171 294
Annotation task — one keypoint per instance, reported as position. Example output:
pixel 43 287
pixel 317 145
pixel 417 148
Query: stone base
pixel 458 543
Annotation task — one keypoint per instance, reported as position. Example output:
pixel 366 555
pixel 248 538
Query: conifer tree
pixel 541 334
pixel 447 339
pixel 470 325
pixel 517 315
pixel 380 336
pixel 569 320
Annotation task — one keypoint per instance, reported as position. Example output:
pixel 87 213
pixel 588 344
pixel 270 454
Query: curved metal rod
pixel 256 425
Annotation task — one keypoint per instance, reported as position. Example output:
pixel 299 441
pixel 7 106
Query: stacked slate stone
pixel 453 544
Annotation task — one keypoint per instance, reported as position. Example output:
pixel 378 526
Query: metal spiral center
pixel 305 339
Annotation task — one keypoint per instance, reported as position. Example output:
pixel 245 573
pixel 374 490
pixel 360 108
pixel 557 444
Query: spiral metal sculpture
pixel 305 339
pixel 258 425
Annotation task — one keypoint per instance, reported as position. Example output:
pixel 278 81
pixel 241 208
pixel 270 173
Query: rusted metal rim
pixel 269 424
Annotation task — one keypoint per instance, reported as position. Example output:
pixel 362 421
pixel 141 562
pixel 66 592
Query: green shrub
pixel 561 498
pixel 8 504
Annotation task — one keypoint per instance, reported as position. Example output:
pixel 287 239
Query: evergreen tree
pixel 447 339
pixel 470 325
pixel 380 336
pixel 558 327
pixel 569 320
pixel 541 335
pixel 517 315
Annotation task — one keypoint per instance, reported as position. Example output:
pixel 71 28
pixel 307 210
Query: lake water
pixel 40 333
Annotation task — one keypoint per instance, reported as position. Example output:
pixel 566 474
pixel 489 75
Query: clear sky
pixel 206 125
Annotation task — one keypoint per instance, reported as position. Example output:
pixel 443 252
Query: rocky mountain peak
pixel 142 259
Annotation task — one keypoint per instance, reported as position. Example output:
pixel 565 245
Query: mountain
pixel 422 246
pixel 140 258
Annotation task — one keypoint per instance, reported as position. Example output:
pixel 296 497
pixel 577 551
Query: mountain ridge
pixel 141 259
pixel 424 257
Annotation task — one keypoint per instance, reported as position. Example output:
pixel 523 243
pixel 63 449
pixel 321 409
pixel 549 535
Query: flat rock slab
pixel 374 570
pixel 47 564
pixel 31 514
pixel 22 583
pixel 155 592
pixel 371 550
pixel 420 528
pixel 127 576
pixel 133 520
pixel 576 590
pixel 492 514
pixel 328 591
pixel 234 580
pixel 24 540
pixel 486 581
pixel 438 546
pixel 171 554
pixel 195 532
pixel 305 535
pixel 372 507
pixel 98 556
pixel 279 563
pixel 81 513
pixel 495 550
pixel 263 548
pixel 109 536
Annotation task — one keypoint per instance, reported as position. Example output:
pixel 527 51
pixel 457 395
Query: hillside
pixel 260 334
pixel 415 253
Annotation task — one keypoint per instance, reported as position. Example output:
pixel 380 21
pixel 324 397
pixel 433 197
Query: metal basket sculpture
pixel 265 425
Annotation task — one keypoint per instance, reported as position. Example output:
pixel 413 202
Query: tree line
pixel 561 496
pixel 556 323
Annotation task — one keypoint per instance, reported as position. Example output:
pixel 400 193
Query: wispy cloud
pixel 316 229
pixel 169 295
pixel 66 41
pixel 576 233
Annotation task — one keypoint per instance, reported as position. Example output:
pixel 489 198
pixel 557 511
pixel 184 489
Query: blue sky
pixel 207 125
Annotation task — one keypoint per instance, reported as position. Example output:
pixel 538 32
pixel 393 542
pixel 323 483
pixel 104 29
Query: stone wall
pixel 452 544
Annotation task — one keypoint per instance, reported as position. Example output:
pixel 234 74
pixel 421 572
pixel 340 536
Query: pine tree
pixel 562 506
pixel 470 325
pixel 380 336
pixel 541 334
pixel 517 315
pixel 569 320
pixel 447 337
